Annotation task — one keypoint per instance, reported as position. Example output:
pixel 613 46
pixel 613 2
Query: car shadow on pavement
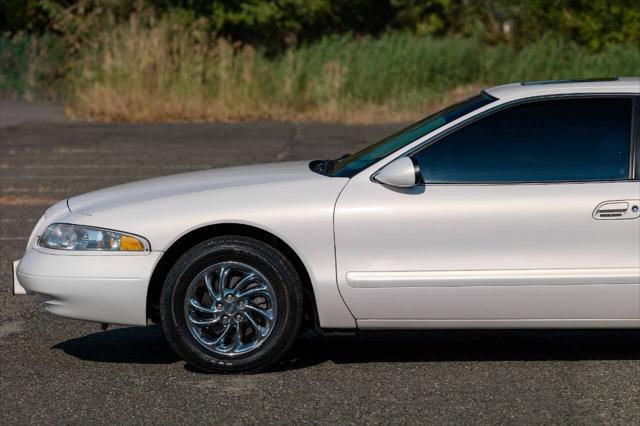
pixel 147 345
pixel 136 345
pixel 466 345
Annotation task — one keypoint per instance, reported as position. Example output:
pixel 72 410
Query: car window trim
pixel 497 108
pixel 635 139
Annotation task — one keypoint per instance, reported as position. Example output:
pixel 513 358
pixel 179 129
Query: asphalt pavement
pixel 55 371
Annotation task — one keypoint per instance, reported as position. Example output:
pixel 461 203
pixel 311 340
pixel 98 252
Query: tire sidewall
pixel 275 268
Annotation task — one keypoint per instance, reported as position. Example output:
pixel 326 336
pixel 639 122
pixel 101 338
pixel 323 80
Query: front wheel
pixel 231 304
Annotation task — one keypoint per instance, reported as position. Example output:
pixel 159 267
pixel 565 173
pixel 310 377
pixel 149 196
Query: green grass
pixel 406 69
pixel 166 72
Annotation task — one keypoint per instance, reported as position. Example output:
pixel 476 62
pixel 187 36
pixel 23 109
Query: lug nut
pixel 229 298
pixel 238 317
pixel 225 319
pixel 219 306
pixel 241 304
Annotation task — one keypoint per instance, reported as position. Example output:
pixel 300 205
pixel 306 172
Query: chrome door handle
pixel 618 209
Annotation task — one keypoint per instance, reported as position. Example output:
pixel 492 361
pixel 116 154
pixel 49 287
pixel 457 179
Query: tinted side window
pixel 556 140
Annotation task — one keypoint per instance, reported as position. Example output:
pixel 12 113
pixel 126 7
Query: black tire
pixel 283 278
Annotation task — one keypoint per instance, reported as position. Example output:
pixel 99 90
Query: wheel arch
pixel 190 239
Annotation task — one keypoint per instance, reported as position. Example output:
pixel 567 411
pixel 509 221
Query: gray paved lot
pixel 59 371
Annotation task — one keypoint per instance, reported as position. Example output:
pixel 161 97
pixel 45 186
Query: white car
pixel 517 208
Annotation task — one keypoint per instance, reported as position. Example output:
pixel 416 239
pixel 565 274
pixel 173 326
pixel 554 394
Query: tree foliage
pixel 274 24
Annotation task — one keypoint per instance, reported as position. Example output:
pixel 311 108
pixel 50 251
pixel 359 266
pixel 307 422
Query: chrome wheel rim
pixel 230 308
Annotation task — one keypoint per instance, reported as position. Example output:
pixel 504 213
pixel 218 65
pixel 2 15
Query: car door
pixel 526 217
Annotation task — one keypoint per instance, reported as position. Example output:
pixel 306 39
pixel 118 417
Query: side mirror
pixel 401 172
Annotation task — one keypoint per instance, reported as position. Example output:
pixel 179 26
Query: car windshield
pixel 350 165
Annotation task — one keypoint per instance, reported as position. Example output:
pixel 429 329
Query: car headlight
pixel 63 236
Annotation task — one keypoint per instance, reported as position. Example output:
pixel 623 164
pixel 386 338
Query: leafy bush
pixel 275 25
pixel 32 67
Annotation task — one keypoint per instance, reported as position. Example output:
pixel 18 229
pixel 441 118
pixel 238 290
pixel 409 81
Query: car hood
pixel 190 183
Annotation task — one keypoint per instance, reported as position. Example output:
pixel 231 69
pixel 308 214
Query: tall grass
pixel 150 69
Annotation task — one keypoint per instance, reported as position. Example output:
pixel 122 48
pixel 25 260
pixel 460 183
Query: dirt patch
pixel 10 327
pixel 17 200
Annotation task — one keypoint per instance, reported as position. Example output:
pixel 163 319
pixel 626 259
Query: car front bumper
pixel 17 287
pixel 103 288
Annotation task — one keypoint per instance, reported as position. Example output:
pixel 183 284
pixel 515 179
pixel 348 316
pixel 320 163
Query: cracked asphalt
pixel 55 371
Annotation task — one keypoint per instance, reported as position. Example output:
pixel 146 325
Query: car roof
pixel 559 87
